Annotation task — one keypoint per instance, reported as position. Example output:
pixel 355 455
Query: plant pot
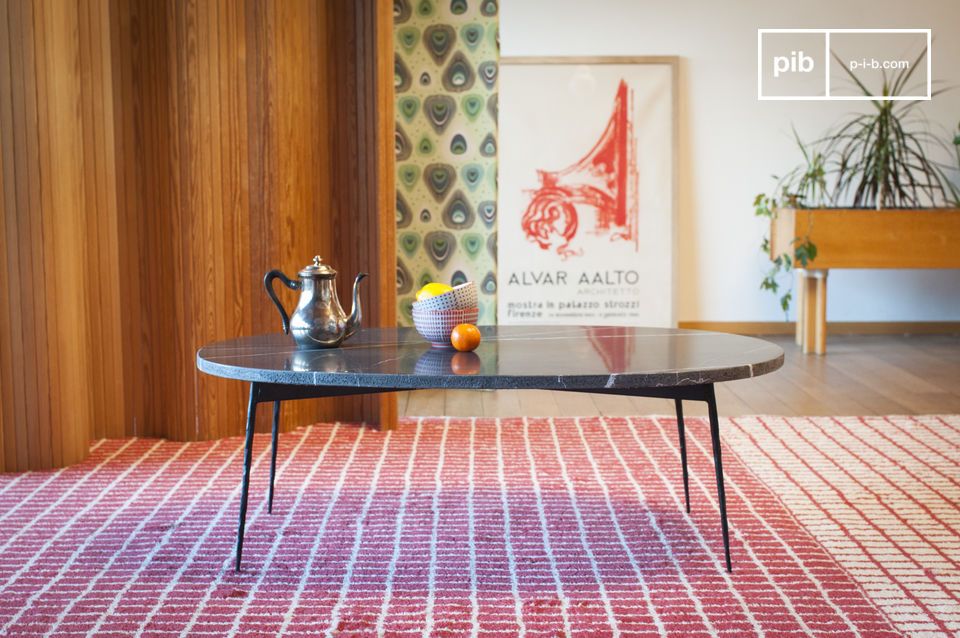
pixel 868 238
pixel 859 238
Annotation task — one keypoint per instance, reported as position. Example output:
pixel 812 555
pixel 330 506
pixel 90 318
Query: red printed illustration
pixel 603 182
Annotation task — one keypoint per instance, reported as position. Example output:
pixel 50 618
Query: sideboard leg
pixel 718 467
pixel 820 339
pixel 273 453
pixel 815 312
pixel 683 452
pixel 247 460
pixel 809 312
pixel 799 299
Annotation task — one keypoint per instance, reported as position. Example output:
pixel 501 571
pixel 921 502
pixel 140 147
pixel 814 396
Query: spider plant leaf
pixel 854 77
pixel 904 75
pixel 803 148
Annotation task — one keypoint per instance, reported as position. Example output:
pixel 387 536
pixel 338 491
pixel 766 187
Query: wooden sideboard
pixel 157 159
pixel 858 238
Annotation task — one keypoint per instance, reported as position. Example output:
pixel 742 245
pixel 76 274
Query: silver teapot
pixel 318 321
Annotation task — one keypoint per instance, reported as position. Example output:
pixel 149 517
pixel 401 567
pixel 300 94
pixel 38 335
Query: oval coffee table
pixel 645 362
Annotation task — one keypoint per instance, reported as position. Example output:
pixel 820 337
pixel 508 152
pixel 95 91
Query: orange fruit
pixel 465 363
pixel 465 337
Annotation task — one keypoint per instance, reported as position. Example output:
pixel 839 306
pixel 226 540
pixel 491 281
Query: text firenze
pixel 563 278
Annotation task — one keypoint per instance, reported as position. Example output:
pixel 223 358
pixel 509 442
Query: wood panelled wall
pixel 157 159
pixel 44 323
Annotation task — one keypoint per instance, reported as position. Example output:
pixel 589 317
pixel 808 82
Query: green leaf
pixel 785 301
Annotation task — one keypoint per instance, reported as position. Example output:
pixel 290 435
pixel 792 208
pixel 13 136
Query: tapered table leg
pixel 273 453
pixel 718 467
pixel 247 460
pixel 683 452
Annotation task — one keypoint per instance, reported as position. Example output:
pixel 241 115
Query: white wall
pixel 730 143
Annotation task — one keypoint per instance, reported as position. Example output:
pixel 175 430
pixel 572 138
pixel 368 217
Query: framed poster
pixel 587 191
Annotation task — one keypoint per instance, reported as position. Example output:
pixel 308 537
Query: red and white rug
pixel 512 527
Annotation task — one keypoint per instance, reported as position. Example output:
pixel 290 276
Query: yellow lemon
pixel 432 290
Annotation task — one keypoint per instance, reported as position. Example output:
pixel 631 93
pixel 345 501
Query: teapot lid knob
pixel 318 269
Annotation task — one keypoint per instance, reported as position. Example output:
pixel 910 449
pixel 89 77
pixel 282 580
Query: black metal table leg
pixel 273 453
pixel 699 392
pixel 718 467
pixel 683 451
pixel 247 460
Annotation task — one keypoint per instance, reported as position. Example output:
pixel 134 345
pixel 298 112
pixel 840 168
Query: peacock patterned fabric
pixel 445 76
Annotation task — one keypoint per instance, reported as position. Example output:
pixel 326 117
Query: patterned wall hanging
pixel 445 75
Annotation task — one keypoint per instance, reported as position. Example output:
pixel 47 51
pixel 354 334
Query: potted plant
pixel 867 195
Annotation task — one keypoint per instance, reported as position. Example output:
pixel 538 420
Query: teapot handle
pixel 292 285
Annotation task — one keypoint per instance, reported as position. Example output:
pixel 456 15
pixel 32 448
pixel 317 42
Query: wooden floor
pixel 860 375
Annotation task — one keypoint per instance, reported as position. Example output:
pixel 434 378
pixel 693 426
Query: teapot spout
pixel 356 313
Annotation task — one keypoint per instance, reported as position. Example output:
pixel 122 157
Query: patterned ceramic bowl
pixel 466 295
pixel 436 325
pixel 446 301
pixel 435 361
pixel 462 297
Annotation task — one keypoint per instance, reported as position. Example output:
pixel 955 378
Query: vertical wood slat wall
pixel 157 158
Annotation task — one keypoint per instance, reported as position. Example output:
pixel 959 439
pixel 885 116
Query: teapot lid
pixel 318 269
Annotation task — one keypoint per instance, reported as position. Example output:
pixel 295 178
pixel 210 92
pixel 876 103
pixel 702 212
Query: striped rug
pixel 495 527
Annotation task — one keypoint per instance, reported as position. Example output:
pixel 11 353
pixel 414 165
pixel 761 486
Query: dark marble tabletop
pixel 544 357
